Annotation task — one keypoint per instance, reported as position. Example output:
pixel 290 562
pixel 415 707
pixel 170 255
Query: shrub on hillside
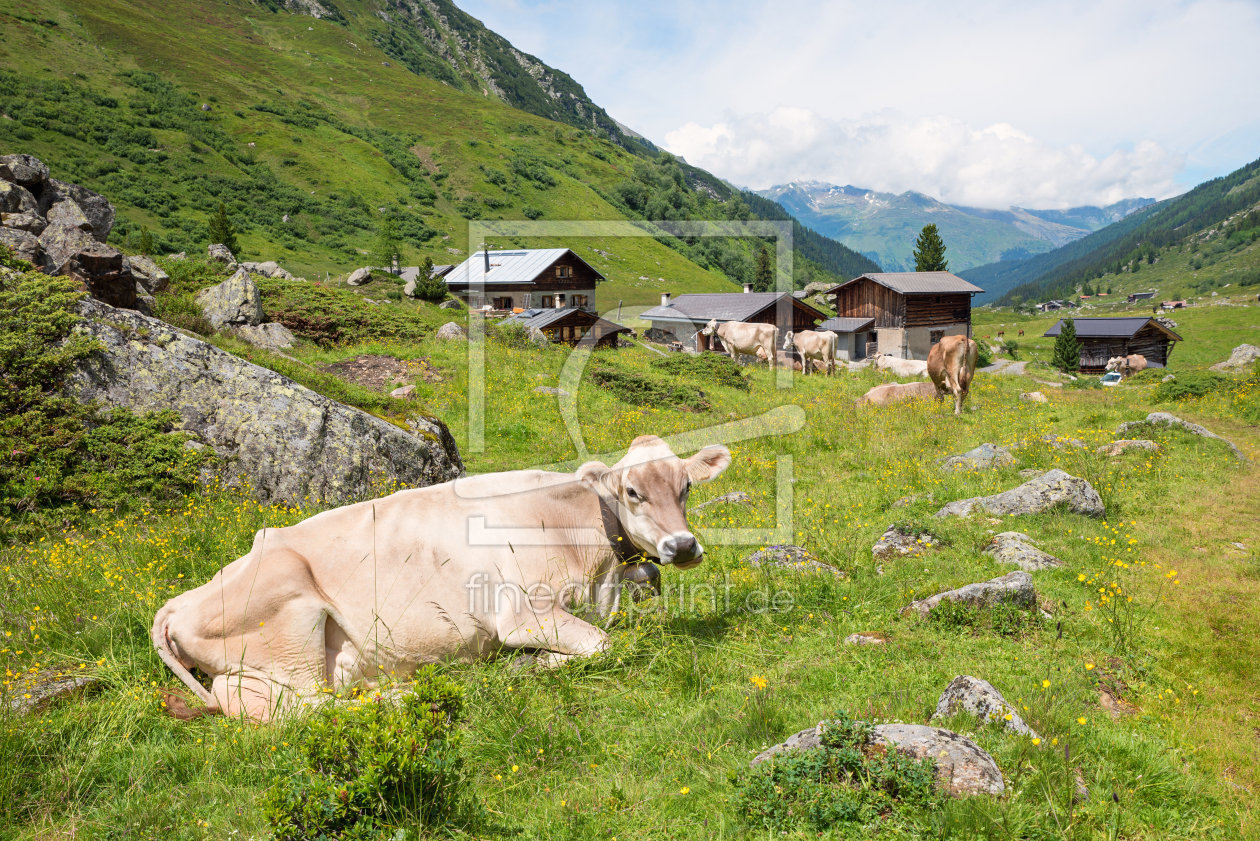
pixel 373 764
pixel 985 357
pixel 645 390
pixel 330 317
pixel 1189 386
pixel 513 335
pixel 709 367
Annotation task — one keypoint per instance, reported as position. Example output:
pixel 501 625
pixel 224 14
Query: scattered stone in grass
pixel 788 556
pixel 866 638
pixel 896 542
pixel 403 392
pixel 33 693
pixel 1013 547
pixel 546 389
pixel 1242 357
pixel 232 303
pixel 1081 794
pixel 982 457
pixel 452 304
pixel 962 767
pixel 1165 419
pixel 1014 588
pixel 1051 490
pixel 1033 397
pixel 732 498
pixel 450 331
pixel 913 498
pixel 358 277
pixel 1169 378
pixel 980 698
pixel 1116 448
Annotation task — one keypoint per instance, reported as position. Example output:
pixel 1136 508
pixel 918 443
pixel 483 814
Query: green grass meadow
pixel 641 741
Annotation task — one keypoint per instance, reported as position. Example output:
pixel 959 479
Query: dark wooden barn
pixel 677 319
pixel 1103 338
pixel 912 310
pixel 570 326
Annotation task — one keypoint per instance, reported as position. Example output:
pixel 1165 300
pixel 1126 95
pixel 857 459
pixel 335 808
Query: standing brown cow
pixel 951 363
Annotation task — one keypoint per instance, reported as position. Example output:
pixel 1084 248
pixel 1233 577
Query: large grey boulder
pixel 409 288
pixel 66 212
pixel 983 457
pixel 1242 357
pixel 1046 492
pixel 220 253
pixel 77 204
pixel 73 252
pixel 962 767
pixel 980 698
pixel 358 277
pixel 1013 547
pixel 1165 419
pixel 148 274
pixel 25 170
pixel 267 336
pixel 15 198
pixel 1015 588
pixel 32 223
pixel 450 331
pixel 233 303
pixel 286 442
pixel 451 304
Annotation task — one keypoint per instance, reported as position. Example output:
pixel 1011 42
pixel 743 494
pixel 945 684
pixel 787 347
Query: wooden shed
pixel 912 310
pixel 542 278
pixel 570 326
pixel 678 319
pixel 1103 338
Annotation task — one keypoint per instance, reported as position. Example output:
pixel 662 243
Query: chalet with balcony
pixel 541 278
pixel 911 310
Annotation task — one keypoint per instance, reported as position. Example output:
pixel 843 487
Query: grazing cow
pixel 741 337
pixel 1021 332
pixel 883 395
pixel 1001 334
pixel 1127 365
pixel 814 345
pixel 783 359
pixel 899 367
pixel 457 571
pixel 951 364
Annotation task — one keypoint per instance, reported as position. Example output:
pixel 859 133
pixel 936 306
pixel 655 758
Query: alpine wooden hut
pixel 541 278
pixel 1103 338
pixel 679 319
pixel 570 326
pixel 912 310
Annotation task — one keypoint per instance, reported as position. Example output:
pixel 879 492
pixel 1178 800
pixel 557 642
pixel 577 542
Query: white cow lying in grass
pixel 900 367
pixel 457 571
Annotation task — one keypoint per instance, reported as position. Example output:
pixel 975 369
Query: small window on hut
pixel 937 335
pixel 938 299
pixel 503 303
pixel 564 271
pixel 579 300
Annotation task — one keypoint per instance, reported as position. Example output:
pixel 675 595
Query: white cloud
pixel 941 156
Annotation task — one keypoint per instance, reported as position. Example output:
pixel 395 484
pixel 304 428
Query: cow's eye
pixel 632 493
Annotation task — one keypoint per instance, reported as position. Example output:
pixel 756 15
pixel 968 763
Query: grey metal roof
pixel 540 318
pixel 915 283
pixel 1109 328
pixel 413 272
pixel 723 306
pixel 521 266
pixel 846 325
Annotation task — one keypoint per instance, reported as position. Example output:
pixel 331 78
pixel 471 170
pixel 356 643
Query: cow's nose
pixel 680 546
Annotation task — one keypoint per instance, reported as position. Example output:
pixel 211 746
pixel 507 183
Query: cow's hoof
pixel 644 580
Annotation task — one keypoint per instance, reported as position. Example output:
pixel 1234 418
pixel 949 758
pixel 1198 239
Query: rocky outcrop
pixel 1242 357
pixel 286 442
pixel 73 252
pixel 236 302
pixel 895 543
pixel 1051 490
pixel 981 458
pixel 1014 588
pixel 267 336
pixel 1123 445
pixel 790 557
pixel 1013 547
pixel 962 767
pixel 1165 419
pixel 358 277
pixel 980 698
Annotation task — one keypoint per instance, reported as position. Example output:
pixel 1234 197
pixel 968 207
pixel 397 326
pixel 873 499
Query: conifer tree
pixel 428 287
pixel 929 251
pixel 146 241
pixel 763 280
pixel 222 232
pixel 388 248
pixel 1067 348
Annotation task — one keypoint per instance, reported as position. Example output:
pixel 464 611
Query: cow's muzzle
pixel 681 550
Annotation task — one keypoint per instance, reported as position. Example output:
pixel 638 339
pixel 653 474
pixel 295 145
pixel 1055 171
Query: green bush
pixel 428 287
pixel 1002 619
pixel 375 764
pixel 329 317
pixel 714 368
pixel 513 335
pixel 645 390
pixel 1189 386
pixel 985 358
pixel 842 781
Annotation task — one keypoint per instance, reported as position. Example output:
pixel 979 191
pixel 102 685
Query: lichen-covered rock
pixel 1165 419
pixel 219 253
pixel 148 274
pixel 788 556
pixel 866 638
pixel 962 767
pixel 32 223
pixel 1014 588
pixel 285 441
pixel 1242 357
pixel 66 212
pixel 1048 491
pixel 450 331
pixel 1034 397
pixel 235 302
pixel 983 457
pixel 267 336
pixel 23 244
pixel 1123 445
pixel 73 252
pixel 897 543
pixel 451 304
pixel 16 199
pixel 980 698
pixel 94 207
pixel 25 170
pixel 1013 547
pixel 358 277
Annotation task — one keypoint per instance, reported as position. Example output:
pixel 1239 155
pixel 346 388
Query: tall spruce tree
pixel 929 251
pixel 763 279
pixel 388 246
pixel 222 232
pixel 427 286
pixel 1067 348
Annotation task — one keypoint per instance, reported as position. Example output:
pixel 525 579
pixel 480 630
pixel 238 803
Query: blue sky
pixel 1037 104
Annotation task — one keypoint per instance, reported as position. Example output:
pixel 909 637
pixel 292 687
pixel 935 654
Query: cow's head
pixel 1117 363
pixel 710 328
pixel 648 489
pixel 787 340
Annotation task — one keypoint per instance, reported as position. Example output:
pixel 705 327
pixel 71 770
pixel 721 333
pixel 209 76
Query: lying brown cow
pixel 889 393
pixel 783 359
pixel 456 571
pixel 951 364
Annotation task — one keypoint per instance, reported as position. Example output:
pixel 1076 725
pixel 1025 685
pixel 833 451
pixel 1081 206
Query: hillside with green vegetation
pixel 1215 223
pixel 311 135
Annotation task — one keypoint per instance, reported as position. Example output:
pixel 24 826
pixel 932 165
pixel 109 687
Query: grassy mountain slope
pixel 1221 204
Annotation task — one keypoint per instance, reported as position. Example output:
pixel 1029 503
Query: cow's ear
pixel 709 463
pixel 598 477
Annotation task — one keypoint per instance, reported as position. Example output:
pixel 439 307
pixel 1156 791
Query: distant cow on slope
pixel 951 364
pixel 740 337
pixel 814 345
